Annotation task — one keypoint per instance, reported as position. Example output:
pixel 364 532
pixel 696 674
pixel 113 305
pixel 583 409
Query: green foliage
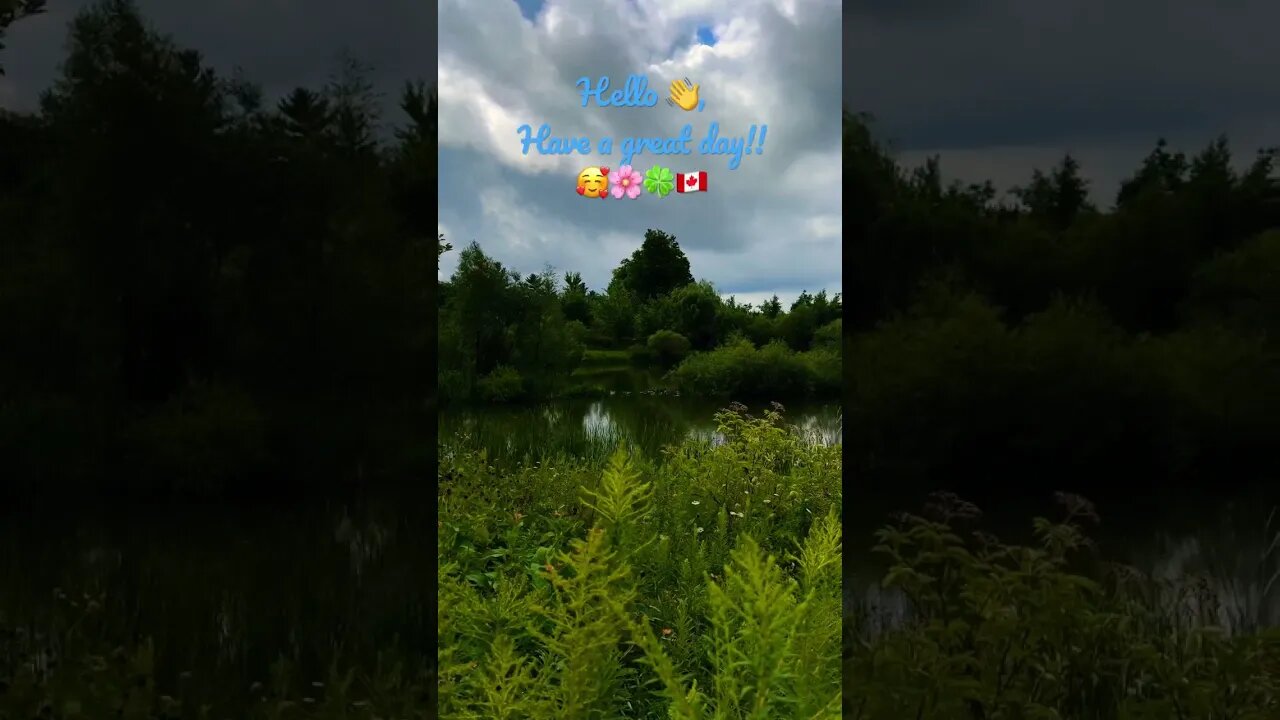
pixel 1238 289
pixel 165 228
pixel 668 347
pixel 502 385
pixel 489 317
pixel 830 336
pixel 164 616
pixel 1001 630
pixel 607 579
pixel 656 269
pixel 740 370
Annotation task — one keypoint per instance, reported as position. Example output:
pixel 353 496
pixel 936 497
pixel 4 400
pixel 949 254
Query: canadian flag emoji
pixel 691 182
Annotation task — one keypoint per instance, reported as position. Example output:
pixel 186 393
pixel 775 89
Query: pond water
pixel 588 426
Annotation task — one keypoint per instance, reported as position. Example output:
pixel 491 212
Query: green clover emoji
pixel 659 180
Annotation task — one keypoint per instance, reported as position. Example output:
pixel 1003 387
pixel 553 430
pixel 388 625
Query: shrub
pixel 504 384
pixel 641 355
pixel 668 347
pixel 739 370
pixel 829 336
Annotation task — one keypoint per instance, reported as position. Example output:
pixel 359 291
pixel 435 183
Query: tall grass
pixel 1038 631
pixel 637 589
pixel 288 613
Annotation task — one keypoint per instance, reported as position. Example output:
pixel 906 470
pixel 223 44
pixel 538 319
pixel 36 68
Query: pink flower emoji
pixel 626 181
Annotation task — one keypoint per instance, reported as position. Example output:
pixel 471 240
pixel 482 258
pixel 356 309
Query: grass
pixel 701 582
pixel 575 588
pixel 596 357
pixel 998 630
pixel 306 614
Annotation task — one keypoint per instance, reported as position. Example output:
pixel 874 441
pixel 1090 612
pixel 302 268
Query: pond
pixel 587 427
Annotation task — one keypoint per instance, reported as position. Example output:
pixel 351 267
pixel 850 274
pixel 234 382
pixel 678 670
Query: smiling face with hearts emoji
pixel 593 182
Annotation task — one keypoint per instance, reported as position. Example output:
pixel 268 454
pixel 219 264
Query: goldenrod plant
pixel 1021 631
pixel 706 586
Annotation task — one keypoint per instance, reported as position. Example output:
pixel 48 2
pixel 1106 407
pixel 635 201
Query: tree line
pixel 201 289
pixel 1040 338
pixel 506 336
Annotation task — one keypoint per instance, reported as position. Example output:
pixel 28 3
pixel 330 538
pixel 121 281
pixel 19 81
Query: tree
pixel 575 299
pixel 658 267
pixel 1161 172
pixel 1058 198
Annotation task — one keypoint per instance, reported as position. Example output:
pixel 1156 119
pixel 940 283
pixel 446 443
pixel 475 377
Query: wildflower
pixel 736 513
pixel 695 502
pixel 666 632
pixel 628 182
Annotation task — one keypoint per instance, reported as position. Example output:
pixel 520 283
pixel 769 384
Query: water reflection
pixel 1225 571
pixel 644 421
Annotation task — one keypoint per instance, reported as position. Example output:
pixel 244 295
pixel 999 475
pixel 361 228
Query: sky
pixel 998 87
pixel 772 225
pixel 995 87
pixel 279 44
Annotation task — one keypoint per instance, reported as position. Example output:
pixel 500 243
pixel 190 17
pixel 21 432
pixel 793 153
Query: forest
pixel 206 293
pixel 1055 344
pixel 989 334
pixel 215 389
pixel 505 337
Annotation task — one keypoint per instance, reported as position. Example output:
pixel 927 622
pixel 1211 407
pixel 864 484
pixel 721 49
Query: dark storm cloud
pixel 1063 74
pixel 280 44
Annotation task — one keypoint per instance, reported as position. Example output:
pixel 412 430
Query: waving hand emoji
pixel 684 94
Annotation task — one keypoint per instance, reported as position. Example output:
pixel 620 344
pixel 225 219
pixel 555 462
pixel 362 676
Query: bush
pixel 668 347
pixel 641 355
pixel 738 370
pixel 948 387
pixel 829 336
pixel 504 384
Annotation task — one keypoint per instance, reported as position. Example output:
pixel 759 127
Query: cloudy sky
pixel 772 225
pixel 994 86
pixel 280 44
pixel 997 87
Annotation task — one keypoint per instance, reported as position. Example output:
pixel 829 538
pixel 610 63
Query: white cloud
pixel 773 222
